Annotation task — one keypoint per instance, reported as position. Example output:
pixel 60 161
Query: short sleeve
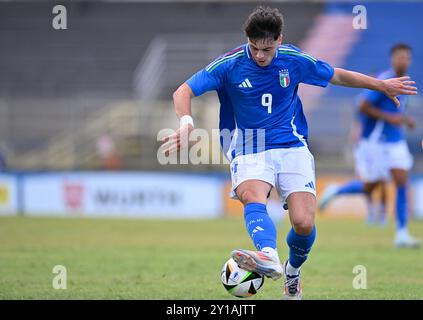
pixel 210 78
pixel 315 72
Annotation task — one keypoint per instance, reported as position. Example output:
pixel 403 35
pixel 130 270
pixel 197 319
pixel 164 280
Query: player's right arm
pixel 182 102
pixel 207 79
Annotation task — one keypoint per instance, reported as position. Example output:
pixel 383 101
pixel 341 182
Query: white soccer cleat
pixel 263 263
pixel 404 240
pixel 327 196
pixel 292 285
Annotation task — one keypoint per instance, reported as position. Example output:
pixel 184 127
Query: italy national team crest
pixel 284 78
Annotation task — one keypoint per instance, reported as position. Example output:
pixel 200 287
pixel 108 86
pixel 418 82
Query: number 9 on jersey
pixel 266 101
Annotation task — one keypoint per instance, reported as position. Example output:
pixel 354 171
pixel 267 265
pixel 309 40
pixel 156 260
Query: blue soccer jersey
pixel 379 130
pixel 261 103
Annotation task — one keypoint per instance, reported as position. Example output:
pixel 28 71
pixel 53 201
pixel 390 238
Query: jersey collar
pixel 247 50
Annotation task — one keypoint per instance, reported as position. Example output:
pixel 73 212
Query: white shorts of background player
pixel 374 160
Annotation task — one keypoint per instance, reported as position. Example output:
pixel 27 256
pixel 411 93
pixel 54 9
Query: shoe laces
pixel 292 283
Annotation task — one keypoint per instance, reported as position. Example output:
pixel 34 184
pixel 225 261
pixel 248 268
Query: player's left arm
pixel 390 87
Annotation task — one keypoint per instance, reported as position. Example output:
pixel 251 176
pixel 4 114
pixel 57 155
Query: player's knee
pixel 303 228
pixel 304 225
pixel 251 196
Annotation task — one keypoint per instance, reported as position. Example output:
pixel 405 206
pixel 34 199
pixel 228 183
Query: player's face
pixel 263 51
pixel 401 60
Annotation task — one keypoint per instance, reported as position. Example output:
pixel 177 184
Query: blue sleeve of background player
pixel 210 78
pixel 315 72
pixel 374 97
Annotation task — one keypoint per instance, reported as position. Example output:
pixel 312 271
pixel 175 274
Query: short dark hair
pixel 264 23
pixel 400 46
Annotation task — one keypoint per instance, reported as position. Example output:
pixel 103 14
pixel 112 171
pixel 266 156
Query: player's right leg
pixel 260 227
pixel 252 180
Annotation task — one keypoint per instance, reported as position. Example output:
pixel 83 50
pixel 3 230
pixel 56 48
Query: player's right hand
pixel 178 140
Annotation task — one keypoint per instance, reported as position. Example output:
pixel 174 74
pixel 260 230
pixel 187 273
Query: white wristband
pixel 186 119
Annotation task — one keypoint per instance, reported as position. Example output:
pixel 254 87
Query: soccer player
pixel 382 150
pixel 257 86
pixel 370 179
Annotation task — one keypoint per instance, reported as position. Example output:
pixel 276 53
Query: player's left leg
pixel 400 162
pixel 296 183
pixel 253 177
pixel 300 239
pixel 253 194
pixel 402 237
pixel 372 206
pixel 382 208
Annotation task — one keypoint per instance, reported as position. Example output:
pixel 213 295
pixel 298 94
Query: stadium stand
pixel 52 81
pixel 105 41
pixel 61 90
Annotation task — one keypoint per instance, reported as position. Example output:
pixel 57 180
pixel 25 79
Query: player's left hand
pixel 396 86
pixel 178 140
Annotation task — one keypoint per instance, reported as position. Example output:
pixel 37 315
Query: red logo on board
pixel 73 195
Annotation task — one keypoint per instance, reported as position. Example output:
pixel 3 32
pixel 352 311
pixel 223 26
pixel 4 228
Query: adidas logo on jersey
pixel 245 84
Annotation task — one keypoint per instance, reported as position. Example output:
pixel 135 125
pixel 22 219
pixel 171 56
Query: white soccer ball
pixel 239 282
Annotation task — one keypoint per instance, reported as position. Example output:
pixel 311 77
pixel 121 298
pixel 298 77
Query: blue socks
pixel 355 186
pixel 263 233
pixel 299 246
pixel 259 226
pixel 401 207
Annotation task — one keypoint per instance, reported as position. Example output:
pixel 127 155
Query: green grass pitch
pixel 181 259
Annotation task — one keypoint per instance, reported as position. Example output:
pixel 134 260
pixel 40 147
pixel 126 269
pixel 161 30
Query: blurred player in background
pixel 376 208
pixel 382 150
pixel 376 199
pixel 257 85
